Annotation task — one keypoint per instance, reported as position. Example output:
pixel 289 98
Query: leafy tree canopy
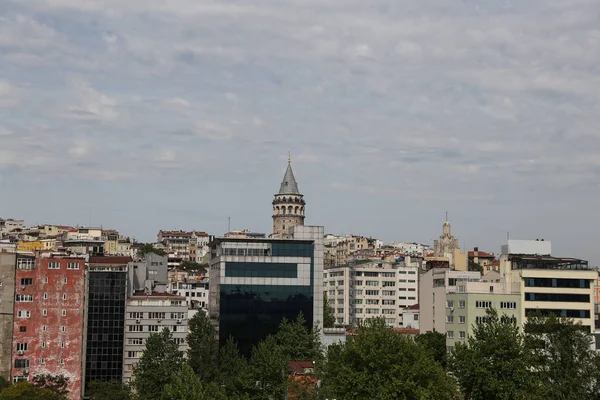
pixel 377 363
pixel 149 248
pixel 188 386
pixel 234 373
pixel 435 343
pixel 268 368
pixel 27 391
pixel 113 390
pixel 56 383
pixel 203 347
pixel 158 365
pixel 297 342
pixel 193 266
pixel 328 314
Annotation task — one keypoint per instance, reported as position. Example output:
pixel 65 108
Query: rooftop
pixel 111 260
pixel 481 254
pixel 141 293
pixel 530 261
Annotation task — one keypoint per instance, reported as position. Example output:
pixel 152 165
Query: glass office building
pixel 107 291
pixel 255 283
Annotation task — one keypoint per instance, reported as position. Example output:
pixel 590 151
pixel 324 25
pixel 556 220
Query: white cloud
pixel 9 94
pixel 91 104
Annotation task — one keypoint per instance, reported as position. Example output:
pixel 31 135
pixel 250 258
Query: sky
pixel 142 115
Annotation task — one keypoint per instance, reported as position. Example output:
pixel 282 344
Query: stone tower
pixel 288 205
pixel 447 242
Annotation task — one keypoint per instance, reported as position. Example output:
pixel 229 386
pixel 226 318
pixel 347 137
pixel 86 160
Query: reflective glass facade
pixel 106 321
pixel 561 313
pixel 249 313
pixel 562 297
pixel 261 270
pixel 558 283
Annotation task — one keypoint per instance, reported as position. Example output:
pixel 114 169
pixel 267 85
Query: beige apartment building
pixel 370 289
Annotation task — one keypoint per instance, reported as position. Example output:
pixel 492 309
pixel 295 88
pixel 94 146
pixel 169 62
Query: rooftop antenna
pixel 289 157
pixel 446 215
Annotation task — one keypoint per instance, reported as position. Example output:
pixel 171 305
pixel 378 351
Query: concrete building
pixel 194 290
pixel 557 285
pixel 150 309
pixel 49 315
pixel 184 245
pixel 469 305
pixel 107 292
pixel 8 262
pixel 434 286
pixel 447 246
pixel 255 283
pixel 370 289
pixel 288 205
pixel 6 246
pixel 410 317
pixel 9 225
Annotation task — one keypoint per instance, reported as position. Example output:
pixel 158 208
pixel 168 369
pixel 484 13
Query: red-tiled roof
pixel 495 263
pixel 298 367
pixel 112 260
pixel 481 254
pixel 414 307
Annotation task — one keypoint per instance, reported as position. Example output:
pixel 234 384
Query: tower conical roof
pixel 289 184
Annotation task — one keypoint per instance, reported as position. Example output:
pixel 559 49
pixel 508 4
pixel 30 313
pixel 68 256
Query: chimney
pixel 476 255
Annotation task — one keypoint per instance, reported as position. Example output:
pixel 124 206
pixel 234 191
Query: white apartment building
pixel 194 291
pixel 434 285
pixel 370 289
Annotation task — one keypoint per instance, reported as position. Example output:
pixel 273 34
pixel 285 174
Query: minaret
pixel 288 205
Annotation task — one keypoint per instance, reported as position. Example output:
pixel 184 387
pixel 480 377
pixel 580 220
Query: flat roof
pixel 217 241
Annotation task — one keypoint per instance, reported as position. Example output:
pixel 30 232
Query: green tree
pixel 149 248
pixel 377 363
pixel 113 390
pixel 234 373
pixel 56 383
pixel 297 342
pixel 203 347
pixel 188 386
pixel 328 314
pixel 268 368
pixel 494 363
pixel 561 357
pixel 435 343
pixel 157 367
pixel 3 383
pixel 473 266
pixel 27 391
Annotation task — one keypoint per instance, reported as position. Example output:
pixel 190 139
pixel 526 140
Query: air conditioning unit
pixel 137 321
pixel 158 320
pixel 20 352
pixel 178 320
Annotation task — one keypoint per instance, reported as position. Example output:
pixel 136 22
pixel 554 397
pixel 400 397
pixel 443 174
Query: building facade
pixel 255 283
pixel 107 292
pixel 48 336
pixel 8 263
pixel 370 289
pixel 434 286
pixel 288 205
pixel 471 302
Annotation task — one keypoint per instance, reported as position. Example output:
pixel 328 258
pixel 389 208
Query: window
pixel 44 312
pixel 357 283
pixel 22 346
pixel 560 297
pixel 152 328
pixel 24 298
pixel 372 292
pixel 416 317
pixel 449 319
pixel 23 314
pixel 63 328
pixel 136 328
pixel 461 304
pixel 156 315
pixel 389 283
pixel 26 281
pixel 43 345
pixel 44 329
pixel 64 296
pixel 54 265
pixel 450 334
pixel 508 305
pixel 62 345
pixel 42 361
pixel 449 304
pixel 136 341
pixel 136 315
pixel 22 363
pixel 356 292
pixel 64 313
pixel 462 334
pixel 340 310
pixel 73 265
pixel 388 311
pixel 45 296
pixel 372 301
pixel 372 311
pixel 372 283
pixel 356 301
pixel 46 280
pixel 179 341
pixel 481 320
pixel 62 361
pixel 388 292
pixel 22 329
pixel 462 319
pixel 388 302
pixel 483 304
pixel 65 281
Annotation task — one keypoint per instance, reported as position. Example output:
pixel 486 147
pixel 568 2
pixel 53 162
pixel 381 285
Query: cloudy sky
pixel 148 114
